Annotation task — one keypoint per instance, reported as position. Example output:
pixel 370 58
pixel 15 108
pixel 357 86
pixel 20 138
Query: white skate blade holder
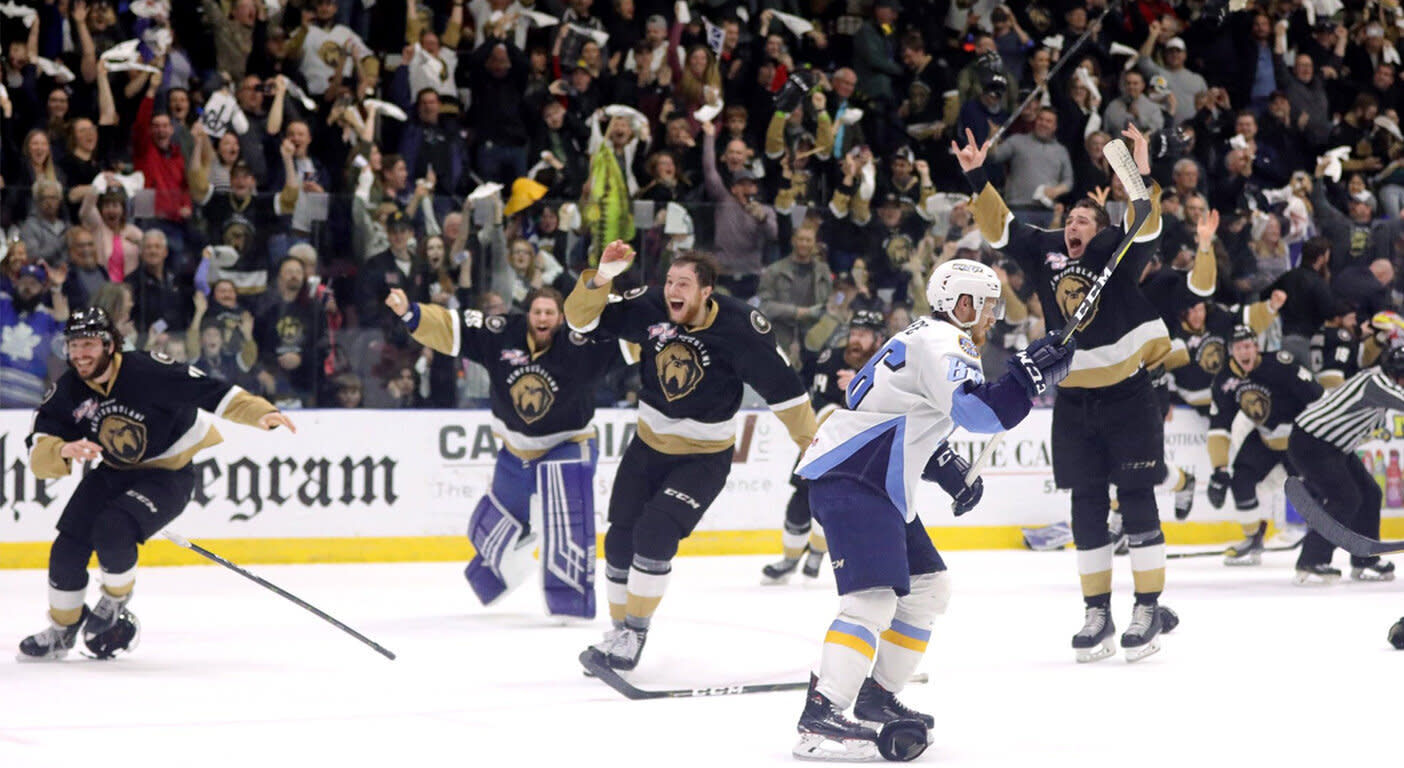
pixel 1104 650
pixel 819 748
pixel 1134 655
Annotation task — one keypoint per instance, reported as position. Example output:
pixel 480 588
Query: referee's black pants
pixel 1346 491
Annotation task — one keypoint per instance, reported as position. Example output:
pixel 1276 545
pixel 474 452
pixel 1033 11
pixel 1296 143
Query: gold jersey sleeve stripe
pixel 45 460
pixel 584 305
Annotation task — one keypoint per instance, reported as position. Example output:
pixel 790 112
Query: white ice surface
pixel 1260 673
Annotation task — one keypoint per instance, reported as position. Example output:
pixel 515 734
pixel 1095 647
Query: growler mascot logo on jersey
pixel 1256 402
pixel 533 393
pixel 123 438
pixel 532 397
pixel 1211 355
pixel 679 370
pixel 1071 287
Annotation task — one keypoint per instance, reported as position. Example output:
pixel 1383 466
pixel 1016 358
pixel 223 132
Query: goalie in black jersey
pixel 828 381
pixel 145 417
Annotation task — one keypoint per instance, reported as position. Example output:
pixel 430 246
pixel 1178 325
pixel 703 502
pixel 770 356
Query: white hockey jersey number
pixel 893 355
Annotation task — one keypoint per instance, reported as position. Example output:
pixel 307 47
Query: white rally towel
pixel 540 19
pixel 599 37
pixel 716 36
pixel 222 113
pixel 26 15
pixel 122 52
pixel 294 90
pixel 1333 166
pixel 54 69
pixel 795 24
pixel 131 183
pixel 387 109
pixel 150 9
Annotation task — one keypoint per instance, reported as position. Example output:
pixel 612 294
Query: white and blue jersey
pixel 903 404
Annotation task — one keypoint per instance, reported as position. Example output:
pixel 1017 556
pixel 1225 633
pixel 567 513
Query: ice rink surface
pixel 1259 672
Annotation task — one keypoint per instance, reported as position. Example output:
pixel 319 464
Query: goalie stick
pixel 1121 161
pixel 1332 529
pixel 199 550
pixel 594 663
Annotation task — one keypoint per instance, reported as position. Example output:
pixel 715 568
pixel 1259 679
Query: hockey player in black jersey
pixel 1343 347
pixel 1107 423
pixel 145 417
pixel 542 387
pixel 1269 390
pixel 698 349
pixel 828 381
pixel 1322 444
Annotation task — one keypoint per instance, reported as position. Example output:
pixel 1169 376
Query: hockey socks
pixel 793 542
pixel 852 642
pixel 1094 568
pixel 648 580
pixel 616 593
pixel 904 641
pixel 1148 565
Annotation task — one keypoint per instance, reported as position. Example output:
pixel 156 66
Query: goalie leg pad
pixel 503 560
pixel 565 493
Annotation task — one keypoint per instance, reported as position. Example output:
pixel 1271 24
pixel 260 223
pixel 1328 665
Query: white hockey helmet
pixel 957 278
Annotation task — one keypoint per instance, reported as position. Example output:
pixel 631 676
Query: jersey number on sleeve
pixel 893 355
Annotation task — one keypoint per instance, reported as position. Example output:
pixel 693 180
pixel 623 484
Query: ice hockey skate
pixel 622 647
pixel 1184 498
pixel 1142 637
pixel 1396 635
pixel 1168 620
pixel 1380 570
pixel 812 561
pixel 53 643
pixel 1249 551
pixel 1094 641
pixel 1313 574
pixel 876 706
pixel 827 734
pixel 104 615
pixel 780 571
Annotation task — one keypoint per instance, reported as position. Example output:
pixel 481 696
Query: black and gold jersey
pixel 1207 349
pixel 825 389
pixel 1124 332
pixel 153 413
pixel 540 397
pixel 693 377
pixel 1271 396
pixel 1338 354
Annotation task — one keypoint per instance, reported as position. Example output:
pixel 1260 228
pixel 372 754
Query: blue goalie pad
pixel 565 496
pixel 503 560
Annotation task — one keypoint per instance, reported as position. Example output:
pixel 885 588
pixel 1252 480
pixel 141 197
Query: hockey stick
pixel 1220 552
pixel 594 663
pixel 1332 529
pixel 199 550
pixel 1065 58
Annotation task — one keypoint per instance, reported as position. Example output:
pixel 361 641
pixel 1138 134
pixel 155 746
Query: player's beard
pixel 856 356
pixel 99 368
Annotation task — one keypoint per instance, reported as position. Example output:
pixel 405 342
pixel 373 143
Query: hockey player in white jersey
pixel 863 468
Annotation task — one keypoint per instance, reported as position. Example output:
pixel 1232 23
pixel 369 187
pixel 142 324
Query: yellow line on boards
pixel 35 554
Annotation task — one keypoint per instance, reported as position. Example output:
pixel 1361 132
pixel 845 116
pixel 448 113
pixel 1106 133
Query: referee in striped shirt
pixel 1322 445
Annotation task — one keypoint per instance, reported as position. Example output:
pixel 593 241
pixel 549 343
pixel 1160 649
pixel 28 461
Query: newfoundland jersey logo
pixel 1070 287
pixel 680 369
pixel 532 397
pixel 122 437
pixel 1211 355
pixel 1256 402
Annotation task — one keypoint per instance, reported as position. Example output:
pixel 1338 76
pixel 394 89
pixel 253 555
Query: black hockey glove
pixel 1218 487
pixel 1043 364
pixel 790 95
pixel 947 469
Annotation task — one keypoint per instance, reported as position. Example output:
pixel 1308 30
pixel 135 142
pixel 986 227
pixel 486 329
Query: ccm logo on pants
pixel 684 498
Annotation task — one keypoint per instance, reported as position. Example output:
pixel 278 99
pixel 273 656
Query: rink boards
pixel 399 485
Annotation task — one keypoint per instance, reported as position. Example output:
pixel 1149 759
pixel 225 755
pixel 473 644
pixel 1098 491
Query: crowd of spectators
pixel 240 182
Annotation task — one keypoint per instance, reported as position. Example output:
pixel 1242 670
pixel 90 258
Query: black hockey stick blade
pixel 1332 529
pixel 262 582
pixel 594 662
